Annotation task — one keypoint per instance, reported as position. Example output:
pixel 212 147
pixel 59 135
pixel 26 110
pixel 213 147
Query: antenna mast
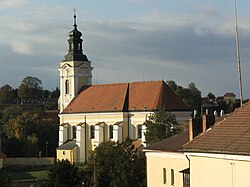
pixel 238 51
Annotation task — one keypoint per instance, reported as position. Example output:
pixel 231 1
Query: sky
pixel 129 40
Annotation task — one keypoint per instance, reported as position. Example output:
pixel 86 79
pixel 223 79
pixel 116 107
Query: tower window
pixel 79 46
pixel 67 87
pixel 111 128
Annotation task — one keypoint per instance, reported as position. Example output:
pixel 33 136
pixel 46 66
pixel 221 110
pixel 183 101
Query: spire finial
pixel 74 17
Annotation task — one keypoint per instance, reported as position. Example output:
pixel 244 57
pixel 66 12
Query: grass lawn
pixel 24 175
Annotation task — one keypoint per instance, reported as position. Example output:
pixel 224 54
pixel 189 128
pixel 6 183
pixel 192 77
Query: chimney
pixel 207 121
pixel 191 131
pixel 194 127
pixel 198 125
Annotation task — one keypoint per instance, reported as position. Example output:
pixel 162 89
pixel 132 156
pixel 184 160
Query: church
pixel 90 114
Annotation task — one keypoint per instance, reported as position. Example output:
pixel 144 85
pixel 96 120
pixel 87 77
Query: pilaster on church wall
pixel 137 118
pixel 80 142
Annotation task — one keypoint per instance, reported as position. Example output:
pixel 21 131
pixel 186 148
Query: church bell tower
pixel 75 70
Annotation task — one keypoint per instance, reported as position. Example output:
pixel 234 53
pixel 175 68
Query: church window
pixel 79 46
pixel 139 131
pixel 111 128
pixel 172 177
pixel 164 176
pixel 92 132
pixel 74 132
pixel 67 87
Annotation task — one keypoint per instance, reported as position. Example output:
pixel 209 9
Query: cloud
pixel 197 47
pixel 5 4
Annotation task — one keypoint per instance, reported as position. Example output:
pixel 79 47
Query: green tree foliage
pixel 6 94
pixel 211 96
pixel 161 125
pixel 172 85
pixel 191 95
pixel 30 129
pixel 64 174
pixel 30 87
pixel 118 165
pixel 10 113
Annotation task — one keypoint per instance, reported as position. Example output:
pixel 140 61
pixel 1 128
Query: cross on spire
pixel 74 10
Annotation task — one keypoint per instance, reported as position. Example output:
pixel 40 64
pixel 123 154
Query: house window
pixel 74 132
pixel 172 177
pixel 139 131
pixel 164 176
pixel 111 128
pixel 67 87
pixel 92 132
pixel 186 178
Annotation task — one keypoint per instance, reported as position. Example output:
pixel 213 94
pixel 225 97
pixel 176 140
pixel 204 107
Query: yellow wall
pixel 70 155
pixel 156 161
pixel 130 121
pixel 219 172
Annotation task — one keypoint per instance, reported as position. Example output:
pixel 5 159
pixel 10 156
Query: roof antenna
pixel 238 51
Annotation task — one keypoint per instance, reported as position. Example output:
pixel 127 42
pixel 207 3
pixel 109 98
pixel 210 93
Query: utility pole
pixel 238 52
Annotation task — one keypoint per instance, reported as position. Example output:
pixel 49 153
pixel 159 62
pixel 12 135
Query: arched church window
pixel 79 46
pixel 111 128
pixel 92 132
pixel 67 87
pixel 74 132
pixel 139 131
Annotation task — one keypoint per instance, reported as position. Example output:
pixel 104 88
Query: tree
pixel 6 94
pixel 161 125
pixel 191 95
pixel 30 87
pixel 11 113
pixel 64 174
pixel 30 130
pixel 118 165
pixel 211 96
pixel 172 85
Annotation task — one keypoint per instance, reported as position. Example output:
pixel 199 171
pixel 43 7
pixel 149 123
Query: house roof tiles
pixel 230 136
pixel 172 144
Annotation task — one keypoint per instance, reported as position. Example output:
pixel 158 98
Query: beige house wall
pixel 70 155
pixel 219 171
pixel 156 161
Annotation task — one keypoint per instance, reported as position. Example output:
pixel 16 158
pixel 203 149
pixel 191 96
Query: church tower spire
pixel 75 51
pixel 75 69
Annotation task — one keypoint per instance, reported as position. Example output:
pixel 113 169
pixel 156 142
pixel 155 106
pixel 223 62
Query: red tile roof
pixel 230 136
pixel 172 144
pixel 229 95
pixel 135 96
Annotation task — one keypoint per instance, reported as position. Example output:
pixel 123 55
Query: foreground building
pixel 167 165
pixel 91 114
pixel 220 157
